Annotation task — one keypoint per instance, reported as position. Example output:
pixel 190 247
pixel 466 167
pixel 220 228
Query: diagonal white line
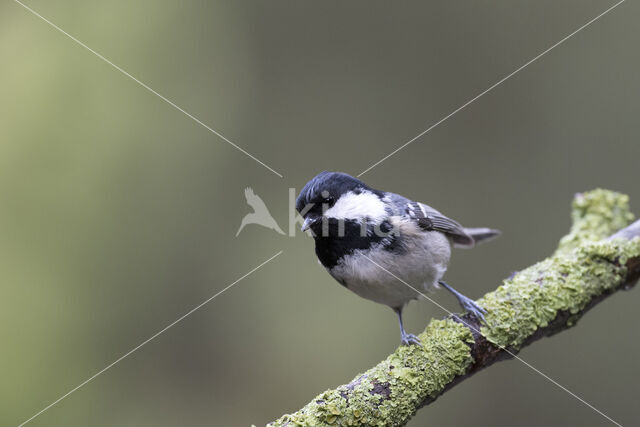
pixel 144 342
pixel 501 347
pixel 490 88
pixel 165 99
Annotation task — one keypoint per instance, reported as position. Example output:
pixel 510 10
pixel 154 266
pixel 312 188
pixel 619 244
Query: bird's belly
pixel 392 294
pixel 395 278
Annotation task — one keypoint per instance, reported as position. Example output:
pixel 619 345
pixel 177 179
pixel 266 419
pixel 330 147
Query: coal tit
pixel 359 231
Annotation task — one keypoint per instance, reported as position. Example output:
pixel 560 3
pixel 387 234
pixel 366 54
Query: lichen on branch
pixel 545 298
pixel 595 215
pixel 410 374
pixel 584 266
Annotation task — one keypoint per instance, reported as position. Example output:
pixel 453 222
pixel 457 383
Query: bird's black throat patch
pixel 333 245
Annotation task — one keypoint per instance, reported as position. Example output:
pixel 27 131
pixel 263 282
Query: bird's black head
pixel 326 188
pixel 343 214
pixel 322 193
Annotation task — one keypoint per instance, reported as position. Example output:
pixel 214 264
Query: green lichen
pixel 596 214
pixel 585 266
pixel 565 282
pixel 389 394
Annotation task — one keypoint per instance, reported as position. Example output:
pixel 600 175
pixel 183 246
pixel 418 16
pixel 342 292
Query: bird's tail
pixel 480 235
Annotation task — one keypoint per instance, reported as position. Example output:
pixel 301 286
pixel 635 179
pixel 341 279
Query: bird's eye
pixel 329 201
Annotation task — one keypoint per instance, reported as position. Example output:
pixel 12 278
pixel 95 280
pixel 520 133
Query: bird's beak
pixel 308 222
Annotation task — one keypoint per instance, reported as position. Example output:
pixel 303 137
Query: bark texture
pixel 599 256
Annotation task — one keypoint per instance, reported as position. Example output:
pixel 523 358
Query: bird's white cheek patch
pixel 358 206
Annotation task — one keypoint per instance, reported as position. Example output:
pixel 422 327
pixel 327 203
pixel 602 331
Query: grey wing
pixel 430 219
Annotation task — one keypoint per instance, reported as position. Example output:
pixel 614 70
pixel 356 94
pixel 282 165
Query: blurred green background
pixel 118 213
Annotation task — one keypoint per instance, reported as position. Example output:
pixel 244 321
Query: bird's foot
pixel 472 307
pixel 408 339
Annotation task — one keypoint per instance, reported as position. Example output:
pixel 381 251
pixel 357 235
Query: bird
pixel 360 231
pixel 260 214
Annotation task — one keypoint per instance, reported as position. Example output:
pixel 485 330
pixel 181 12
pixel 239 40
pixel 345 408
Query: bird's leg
pixel 466 303
pixel 405 338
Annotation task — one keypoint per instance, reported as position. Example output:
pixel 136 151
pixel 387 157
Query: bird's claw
pixel 472 307
pixel 409 339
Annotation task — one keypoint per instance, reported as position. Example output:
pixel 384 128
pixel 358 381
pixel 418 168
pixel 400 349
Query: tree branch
pixel 590 264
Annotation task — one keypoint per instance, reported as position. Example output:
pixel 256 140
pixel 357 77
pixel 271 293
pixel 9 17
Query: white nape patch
pixel 358 206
